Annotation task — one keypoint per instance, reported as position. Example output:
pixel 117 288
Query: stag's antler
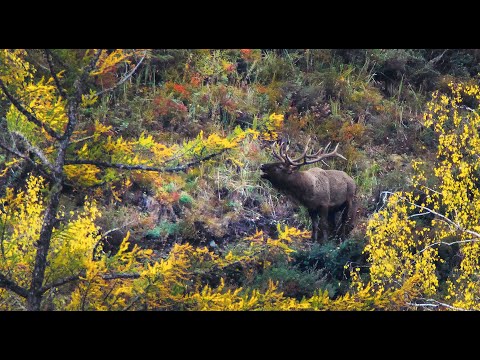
pixel 305 158
pixel 279 144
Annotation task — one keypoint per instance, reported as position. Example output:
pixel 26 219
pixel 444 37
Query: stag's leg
pixel 314 216
pixel 332 226
pixel 346 217
pixel 324 223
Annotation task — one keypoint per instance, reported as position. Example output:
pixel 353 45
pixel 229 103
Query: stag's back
pixel 342 186
pixel 325 188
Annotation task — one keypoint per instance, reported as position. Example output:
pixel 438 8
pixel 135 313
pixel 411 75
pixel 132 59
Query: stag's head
pixel 287 165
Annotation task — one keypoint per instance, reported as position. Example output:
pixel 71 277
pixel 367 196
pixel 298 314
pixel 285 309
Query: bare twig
pixel 430 189
pixel 419 214
pixel 28 159
pixel 466 108
pixel 383 196
pixel 112 230
pixel 60 283
pixel 82 139
pixel 120 276
pixel 133 302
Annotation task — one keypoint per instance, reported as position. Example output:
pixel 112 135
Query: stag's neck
pixel 291 183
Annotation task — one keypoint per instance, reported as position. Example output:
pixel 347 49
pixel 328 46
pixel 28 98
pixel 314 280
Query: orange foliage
pixel 351 131
pixel 195 80
pixel 246 54
pixel 180 89
pixel 166 106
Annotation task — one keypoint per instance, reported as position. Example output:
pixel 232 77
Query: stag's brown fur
pixel 322 192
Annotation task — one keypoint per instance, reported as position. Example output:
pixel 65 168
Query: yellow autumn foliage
pixel 39 98
pixel 401 247
pixel 21 220
pixel 135 279
pixel 108 61
pixel 14 69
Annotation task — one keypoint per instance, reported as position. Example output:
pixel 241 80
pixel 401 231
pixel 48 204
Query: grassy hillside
pixel 235 103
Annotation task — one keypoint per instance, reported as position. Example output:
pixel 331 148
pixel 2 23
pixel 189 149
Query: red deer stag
pixel 322 192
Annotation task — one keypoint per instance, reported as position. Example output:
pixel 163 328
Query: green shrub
pixel 164 228
pixel 185 199
pixel 331 259
pixel 170 187
pixel 292 281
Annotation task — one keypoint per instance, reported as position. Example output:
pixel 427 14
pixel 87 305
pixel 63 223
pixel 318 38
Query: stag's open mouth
pixel 263 174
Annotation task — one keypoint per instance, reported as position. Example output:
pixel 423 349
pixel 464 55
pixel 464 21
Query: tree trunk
pixel 34 298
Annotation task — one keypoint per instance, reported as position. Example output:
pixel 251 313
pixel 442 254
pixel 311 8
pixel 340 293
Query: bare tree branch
pixel 449 244
pixel 8 284
pixel 441 216
pixel 125 78
pixel 60 61
pixel 48 55
pixel 435 304
pixel 120 276
pixel 419 214
pixel 103 164
pixel 60 283
pixel 77 277
pixel 81 140
pixel 16 153
pixel 26 158
pixel 133 302
pixel 33 149
pixel 437 58
pixel 30 117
